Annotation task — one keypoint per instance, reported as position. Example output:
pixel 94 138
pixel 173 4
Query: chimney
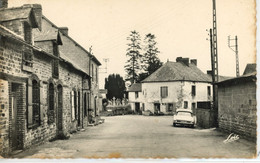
pixel 3 3
pixel 209 72
pixel 64 30
pixel 183 60
pixel 193 61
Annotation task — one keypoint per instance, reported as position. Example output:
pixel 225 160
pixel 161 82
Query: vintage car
pixel 184 117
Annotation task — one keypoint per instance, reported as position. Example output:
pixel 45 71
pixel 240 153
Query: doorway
pixel 157 108
pixel 16 108
pixel 59 113
pixel 78 108
pixel 137 108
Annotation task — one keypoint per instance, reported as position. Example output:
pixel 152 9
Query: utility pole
pixel 214 62
pixel 236 51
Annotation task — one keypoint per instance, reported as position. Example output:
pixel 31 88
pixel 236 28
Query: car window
pixel 184 113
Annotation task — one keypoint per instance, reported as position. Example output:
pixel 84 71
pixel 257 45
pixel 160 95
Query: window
pixel 27 58
pixel 136 95
pixel 170 107
pixel 33 118
pixel 51 118
pixel 193 90
pixel 209 91
pixel 193 105
pixel 164 92
pixel 185 104
pixel 55 68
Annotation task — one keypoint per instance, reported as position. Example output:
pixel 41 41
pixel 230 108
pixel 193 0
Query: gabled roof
pixel 241 79
pixel 25 12
pixel 250 68
pixel 47 35
pixel 136 87
pixel 249 75
pixel 178 71
pixel 8 33
pixel 65 49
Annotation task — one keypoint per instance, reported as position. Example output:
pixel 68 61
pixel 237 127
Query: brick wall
pixel 237 108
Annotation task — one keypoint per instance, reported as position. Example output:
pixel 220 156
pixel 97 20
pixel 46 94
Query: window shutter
pixel 76 105
pixel 72 105
pixel 29 107
pixel 42 109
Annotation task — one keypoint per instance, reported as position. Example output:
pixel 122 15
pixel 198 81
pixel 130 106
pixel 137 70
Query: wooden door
pixel 59 118
pixel 14 130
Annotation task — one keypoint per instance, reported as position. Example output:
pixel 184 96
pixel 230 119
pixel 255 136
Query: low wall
pixel 205 118
pixel 118 110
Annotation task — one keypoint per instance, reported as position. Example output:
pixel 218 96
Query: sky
pixel 180 27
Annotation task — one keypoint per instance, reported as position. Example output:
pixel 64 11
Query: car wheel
pixel 174 124
pixel 192 126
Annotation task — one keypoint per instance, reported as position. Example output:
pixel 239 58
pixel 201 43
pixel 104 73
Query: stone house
pixel 43 90
pixel 135 97
pixel 237 104
pixel 179 84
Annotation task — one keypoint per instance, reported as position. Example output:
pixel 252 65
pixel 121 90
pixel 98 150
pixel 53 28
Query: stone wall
pixel 4 120
pixel 237 108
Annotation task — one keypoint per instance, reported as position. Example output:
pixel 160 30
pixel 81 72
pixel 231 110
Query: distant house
pixel 237 103
pixel 179 84
pixel 135 97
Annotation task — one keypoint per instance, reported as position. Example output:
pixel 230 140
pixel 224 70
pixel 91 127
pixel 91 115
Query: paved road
pixel 132 136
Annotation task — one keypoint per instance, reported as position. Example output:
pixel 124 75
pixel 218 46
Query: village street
pixel 138 136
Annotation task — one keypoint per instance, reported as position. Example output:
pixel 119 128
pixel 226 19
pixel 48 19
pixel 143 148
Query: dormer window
pixel 27 59
pixel 28 33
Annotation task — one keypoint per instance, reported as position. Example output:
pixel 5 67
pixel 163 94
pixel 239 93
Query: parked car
pixel 147 112
pixel 184 117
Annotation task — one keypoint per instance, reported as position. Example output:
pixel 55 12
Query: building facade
pixel 45 92
pixel 135 97
pixel 175 85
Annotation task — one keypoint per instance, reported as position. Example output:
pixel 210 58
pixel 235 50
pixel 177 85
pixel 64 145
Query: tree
pixel 150 59
pixel 133 54
pixel 115 86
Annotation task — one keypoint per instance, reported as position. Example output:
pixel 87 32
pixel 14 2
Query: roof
pixel 65 49
pixel 8 14
pixel 250 68
pixel 8 33
pixel 136 87
pixel 178 71
pixel 47 35
pixel 24 12
pixel 241 79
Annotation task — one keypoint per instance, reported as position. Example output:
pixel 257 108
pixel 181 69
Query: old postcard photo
pixel 128 79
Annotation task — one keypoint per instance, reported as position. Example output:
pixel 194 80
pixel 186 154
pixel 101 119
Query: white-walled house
pixel 135 97
pixel 179 84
